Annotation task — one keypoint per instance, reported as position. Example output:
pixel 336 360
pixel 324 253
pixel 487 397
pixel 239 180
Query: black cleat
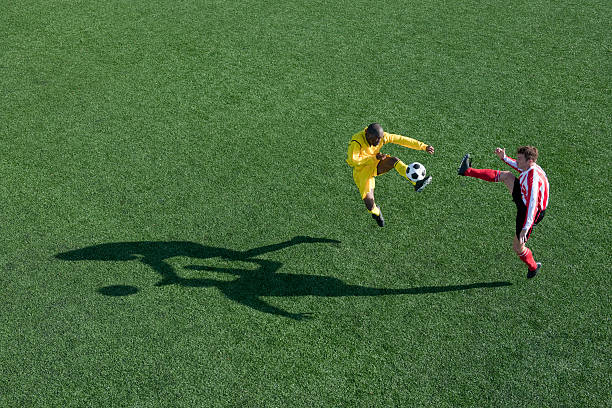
pixel 531 274
pixel 466 163
pixel 379 219
pixel 421 184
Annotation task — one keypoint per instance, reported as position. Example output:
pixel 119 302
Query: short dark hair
pixel 530 152
pixel 374 129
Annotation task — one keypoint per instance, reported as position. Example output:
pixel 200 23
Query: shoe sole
pixel 426 182
pixel 466 159
pixel 380 223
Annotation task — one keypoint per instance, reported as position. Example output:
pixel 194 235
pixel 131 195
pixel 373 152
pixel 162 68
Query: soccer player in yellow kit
pixel 367 162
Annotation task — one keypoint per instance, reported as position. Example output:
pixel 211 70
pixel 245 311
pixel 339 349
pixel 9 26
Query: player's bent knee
pixel 386 164
pixel 506 176
pixel 518 248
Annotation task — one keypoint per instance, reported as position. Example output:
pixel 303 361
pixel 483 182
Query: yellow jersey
pixel 360 153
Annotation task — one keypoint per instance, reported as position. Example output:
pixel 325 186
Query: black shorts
pixel 521 210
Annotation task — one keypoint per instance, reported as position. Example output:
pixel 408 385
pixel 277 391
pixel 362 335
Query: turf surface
pixel 179 227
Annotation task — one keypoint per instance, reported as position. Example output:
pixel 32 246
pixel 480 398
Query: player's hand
pixel 501 153
pixel 523 236
pixel 429 149
pixel 381 156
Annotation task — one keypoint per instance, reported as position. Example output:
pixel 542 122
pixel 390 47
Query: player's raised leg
pixel 389 163
pixel 508 179
pixel 466 169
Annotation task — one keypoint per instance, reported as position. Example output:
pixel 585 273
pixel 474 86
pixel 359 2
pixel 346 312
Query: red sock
pixel 483 174
pixel 527 257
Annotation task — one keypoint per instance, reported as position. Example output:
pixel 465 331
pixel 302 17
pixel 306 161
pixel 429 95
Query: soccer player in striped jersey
pixel 529 193
pixel 367 162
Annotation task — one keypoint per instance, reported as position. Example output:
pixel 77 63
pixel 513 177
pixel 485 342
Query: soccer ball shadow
pixel 118 290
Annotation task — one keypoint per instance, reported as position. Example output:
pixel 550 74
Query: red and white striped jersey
pixel 534 190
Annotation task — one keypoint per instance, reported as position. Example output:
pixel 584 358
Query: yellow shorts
pixel 364 178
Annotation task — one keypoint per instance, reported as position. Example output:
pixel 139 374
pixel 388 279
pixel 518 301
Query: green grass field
pixel 179 227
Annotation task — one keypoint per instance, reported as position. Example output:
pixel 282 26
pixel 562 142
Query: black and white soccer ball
pixel 416 171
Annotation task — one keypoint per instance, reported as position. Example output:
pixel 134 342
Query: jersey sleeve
pixel 512 163
pixel 404 141
pixel 354 157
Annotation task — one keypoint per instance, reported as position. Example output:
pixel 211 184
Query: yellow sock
pixel 375 211
pixel 401 168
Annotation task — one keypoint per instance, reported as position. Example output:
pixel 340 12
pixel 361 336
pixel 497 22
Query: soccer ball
pixel 416 171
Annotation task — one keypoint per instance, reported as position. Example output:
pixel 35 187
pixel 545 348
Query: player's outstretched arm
pixel 404 141
pixel 501 153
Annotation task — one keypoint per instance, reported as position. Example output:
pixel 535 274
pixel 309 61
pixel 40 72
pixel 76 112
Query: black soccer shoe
pixel 531 274
pixel 466 163
pixel 421 184
pixel 379 219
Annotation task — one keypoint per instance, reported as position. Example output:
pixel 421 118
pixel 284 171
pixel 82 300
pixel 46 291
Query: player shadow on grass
pixel 250 285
